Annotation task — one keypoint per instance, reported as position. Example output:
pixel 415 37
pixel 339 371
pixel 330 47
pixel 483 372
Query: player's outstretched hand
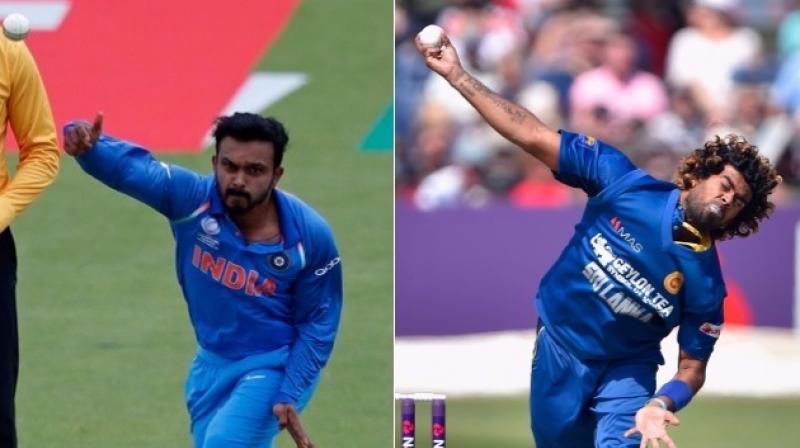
pixel 652 423
pixel 443 60
pixel 82 136
pixel 288 418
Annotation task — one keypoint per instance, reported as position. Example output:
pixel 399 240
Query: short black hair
pixel 248 127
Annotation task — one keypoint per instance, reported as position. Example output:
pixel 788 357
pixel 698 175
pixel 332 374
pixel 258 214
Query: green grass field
pixel 105 337
pixel 707 422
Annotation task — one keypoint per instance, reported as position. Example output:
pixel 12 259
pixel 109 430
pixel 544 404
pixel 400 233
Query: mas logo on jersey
pixel 616 223
pixel 278 262
pixel 711 329
pixel 673 282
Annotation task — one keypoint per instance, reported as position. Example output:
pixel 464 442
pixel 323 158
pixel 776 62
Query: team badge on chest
pixel 210 225
pixel 673 282
pixel 279 262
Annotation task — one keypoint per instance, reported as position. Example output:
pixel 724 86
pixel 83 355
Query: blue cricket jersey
pixel 243 298
pixel 622 284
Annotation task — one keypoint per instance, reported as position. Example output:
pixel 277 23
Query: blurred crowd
pixel 653 78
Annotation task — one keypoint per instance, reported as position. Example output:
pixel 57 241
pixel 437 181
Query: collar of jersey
pixel 289 228
pixel 671 215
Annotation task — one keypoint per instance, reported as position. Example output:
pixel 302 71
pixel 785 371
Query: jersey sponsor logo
pixel 324 270
pixel 210 225
pixel 616 300
pixel 622 271
pixel 711 329
pixel 232 275
pixel 279 262
pixel 673 282
pixel 616 223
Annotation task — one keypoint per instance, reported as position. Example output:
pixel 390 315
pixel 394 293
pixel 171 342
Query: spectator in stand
pixel 788 36
pixel 430 149
pixel 652 24
pixel 568 62
pixel 786 89
pixel 410 76
pixel 538 189
pixel 612 101
pixel 658 160
pixel 461 182
pixel 704 56
pixel 753 116
pixel 681 126
pixel 566 44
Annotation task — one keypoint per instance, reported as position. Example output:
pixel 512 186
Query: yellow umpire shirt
pixel 24 105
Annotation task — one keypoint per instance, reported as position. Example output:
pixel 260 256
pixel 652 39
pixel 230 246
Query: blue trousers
pixel 580 404
pixel 230 402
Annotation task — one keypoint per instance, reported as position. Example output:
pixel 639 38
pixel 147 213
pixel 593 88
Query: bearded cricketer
pixel 642 261
pixel 259 270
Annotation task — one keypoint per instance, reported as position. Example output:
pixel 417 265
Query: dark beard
pixel 704 218
pixel 251 202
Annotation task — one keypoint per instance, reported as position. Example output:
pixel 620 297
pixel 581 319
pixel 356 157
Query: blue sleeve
pixel 702 304
pixel 589 164
pixel 318 308
pixel 699 332
pixel 171 190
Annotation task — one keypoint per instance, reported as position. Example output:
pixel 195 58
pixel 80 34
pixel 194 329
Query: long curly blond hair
pixel 756 169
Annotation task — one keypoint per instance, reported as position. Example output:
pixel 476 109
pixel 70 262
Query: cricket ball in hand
pixel 16 26
pixel 431 36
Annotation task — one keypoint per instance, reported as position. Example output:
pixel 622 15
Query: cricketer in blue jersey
pixel 259 270
pixel 641 262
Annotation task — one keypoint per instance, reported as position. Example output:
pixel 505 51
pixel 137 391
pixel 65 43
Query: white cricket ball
pixel 16 26
pixel 431 35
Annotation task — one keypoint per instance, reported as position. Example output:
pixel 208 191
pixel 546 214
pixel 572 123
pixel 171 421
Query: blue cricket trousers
pixel 582 404
pixel 230 401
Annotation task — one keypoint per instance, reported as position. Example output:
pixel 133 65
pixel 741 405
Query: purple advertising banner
pixel 472 271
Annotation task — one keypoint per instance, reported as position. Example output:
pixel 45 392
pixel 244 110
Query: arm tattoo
pixel 471 85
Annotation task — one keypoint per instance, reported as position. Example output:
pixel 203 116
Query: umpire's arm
pixel 31 119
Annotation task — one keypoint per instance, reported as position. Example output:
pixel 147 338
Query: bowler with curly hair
pixel 642 261
pixel 727 159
